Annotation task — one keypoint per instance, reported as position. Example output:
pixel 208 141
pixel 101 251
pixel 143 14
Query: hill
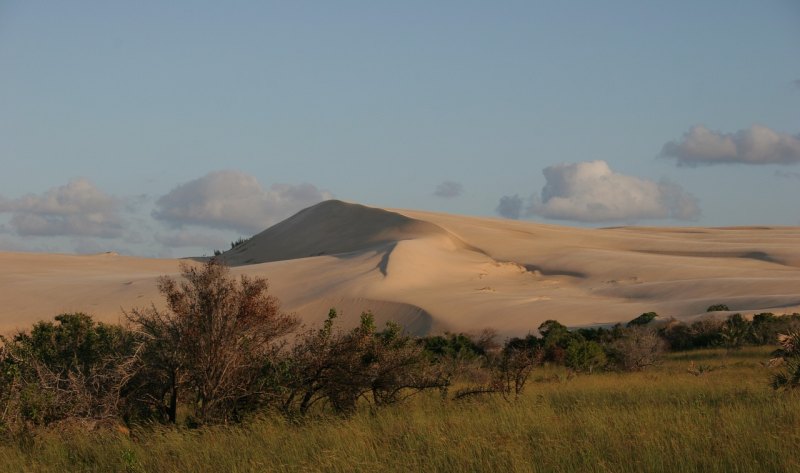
pixel 434 272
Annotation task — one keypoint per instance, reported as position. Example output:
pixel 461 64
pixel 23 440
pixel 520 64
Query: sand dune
pixel 434 272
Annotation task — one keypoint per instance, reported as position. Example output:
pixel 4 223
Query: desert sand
pixel 435 272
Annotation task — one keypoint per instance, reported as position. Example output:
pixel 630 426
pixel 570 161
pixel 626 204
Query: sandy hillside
pixel 436 272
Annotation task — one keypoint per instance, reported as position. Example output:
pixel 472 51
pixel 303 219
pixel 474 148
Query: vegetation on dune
pixel 222 380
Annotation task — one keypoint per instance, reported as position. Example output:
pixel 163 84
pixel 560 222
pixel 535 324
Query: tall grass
pixel 666 419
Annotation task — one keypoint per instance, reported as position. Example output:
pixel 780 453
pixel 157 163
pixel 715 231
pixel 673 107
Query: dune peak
pixel 332 227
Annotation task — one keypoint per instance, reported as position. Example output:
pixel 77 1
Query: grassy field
pixel 666 419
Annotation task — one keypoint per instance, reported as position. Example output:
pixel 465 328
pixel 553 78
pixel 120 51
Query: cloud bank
pixel 755 145
pixel 232 200
pixel 591 192
pixel 448 189
pixel 75 209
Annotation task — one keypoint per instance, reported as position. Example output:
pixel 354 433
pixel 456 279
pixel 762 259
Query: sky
pixel 170 129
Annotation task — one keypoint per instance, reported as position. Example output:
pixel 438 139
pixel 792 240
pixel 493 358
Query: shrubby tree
pixel 508 371
pixel 636 349
pixel 555 338
pixel 338 368
pixel 452 346
pixel 584 355
pixel 735 331
pixel 213 346
pixel 767 326
pixel 73 368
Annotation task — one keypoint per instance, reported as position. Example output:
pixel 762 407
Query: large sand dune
pixel 434 272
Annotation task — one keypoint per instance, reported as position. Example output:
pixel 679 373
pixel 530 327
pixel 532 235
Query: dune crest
pixel 332 227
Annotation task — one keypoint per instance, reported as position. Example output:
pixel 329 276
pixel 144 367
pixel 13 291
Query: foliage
pixel 788 377
pixel 508 372
pixel 212 346
pixel 585 355
pixel 767 326
pixel 718 308
pixel 643 319
pixel 662 420
pixel 636 349
pixel 339 368
pixel 73 368
pixel 453 346
pixel 735 331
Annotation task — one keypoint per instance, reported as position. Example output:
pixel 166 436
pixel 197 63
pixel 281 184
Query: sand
pixel 436 272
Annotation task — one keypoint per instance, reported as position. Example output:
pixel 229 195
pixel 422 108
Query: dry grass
pixel 726 420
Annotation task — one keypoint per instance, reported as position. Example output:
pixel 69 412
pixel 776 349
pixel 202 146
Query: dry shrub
pixel 337 368
pixel 637 348
pixel 213 347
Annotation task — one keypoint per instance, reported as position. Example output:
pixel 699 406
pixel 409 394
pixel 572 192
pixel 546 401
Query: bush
pixel 718 308
pixel 636 349
pixel 788 377
pixel 337 368
pixel 453 346
pixel 735 331
pixel 213 347
pixel 585 355
pixel 508 371
pixel 643 319
pixel 73 368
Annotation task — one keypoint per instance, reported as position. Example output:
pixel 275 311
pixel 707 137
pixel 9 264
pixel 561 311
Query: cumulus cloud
pixel 592 192
pixel 75 209
pixel 448 189
pixel 510 206
pixel 755 145
pixel 232 200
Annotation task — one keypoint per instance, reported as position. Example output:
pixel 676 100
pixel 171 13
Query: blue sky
pixel 171 128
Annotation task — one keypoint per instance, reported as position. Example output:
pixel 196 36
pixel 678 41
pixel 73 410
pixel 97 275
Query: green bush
pixel 643 319
pixel 585 356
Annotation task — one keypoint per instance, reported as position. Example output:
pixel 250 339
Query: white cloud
pixel 592 192
pixel 76 209
pixel 448 189
pixel 755 145
pixel 234 200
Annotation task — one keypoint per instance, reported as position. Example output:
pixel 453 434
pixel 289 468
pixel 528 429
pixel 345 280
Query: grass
pixel 666 419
